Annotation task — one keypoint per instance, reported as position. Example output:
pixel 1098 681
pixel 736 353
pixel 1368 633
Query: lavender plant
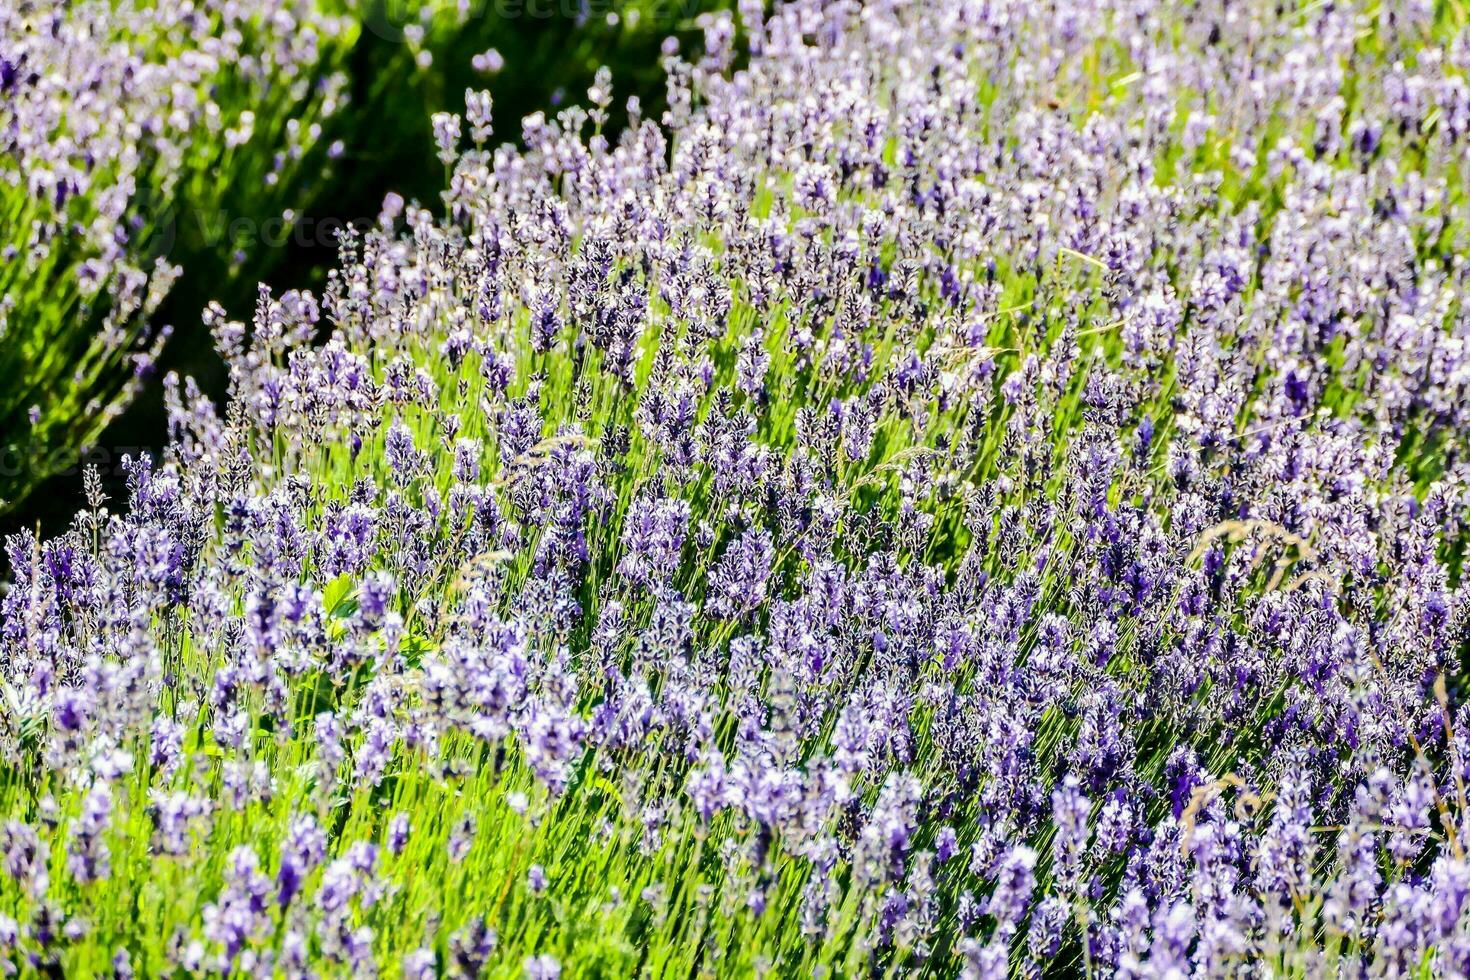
pixel 415 59
pixel 123 126
pixel 979 490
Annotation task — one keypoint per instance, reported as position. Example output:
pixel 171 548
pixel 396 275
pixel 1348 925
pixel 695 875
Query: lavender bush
pixel 149 142
pixel 122 126
pixel 979 490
